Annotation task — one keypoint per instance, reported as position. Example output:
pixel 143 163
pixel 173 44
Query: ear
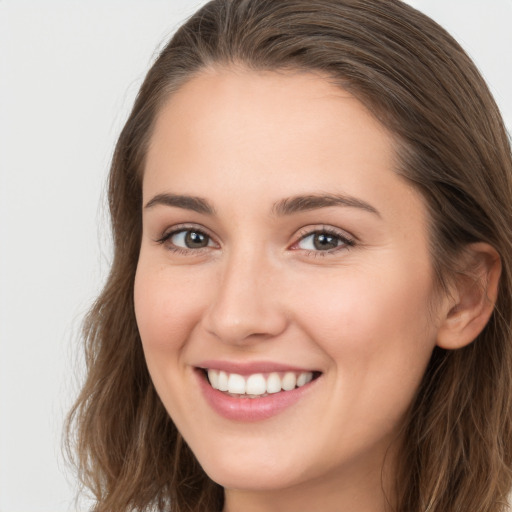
pixel 474 294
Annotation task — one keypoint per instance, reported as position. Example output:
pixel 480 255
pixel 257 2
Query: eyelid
pixel 173 230
pixel 347 239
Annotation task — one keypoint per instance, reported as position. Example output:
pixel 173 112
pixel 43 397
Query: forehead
pixel 235 104
pixel 270 134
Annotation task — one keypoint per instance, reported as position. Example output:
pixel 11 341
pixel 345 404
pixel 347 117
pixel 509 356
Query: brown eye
pixel 195 240
pixel 190 239
pixel 324 241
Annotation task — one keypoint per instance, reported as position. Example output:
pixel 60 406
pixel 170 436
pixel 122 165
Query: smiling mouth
pixel 257 385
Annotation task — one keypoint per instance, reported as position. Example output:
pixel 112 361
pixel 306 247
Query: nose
pixel 247 305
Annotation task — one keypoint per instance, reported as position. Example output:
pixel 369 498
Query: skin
pixel 366 315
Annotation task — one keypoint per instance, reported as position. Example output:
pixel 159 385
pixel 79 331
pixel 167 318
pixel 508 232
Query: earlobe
pixel 473 299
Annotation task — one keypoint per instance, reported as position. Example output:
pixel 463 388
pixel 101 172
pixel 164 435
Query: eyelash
pixel 181 250
pixel 345 241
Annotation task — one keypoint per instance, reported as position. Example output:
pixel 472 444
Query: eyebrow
pixel 296 204
pixel 196 204
pixel 284 207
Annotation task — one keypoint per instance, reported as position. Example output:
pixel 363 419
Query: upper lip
pixel 248 368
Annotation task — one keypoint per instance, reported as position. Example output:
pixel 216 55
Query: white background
pixel 69 72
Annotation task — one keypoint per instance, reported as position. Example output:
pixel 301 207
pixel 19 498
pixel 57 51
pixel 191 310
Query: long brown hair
pixel 452 146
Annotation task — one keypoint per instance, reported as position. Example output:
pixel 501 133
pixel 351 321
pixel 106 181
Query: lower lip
pixel 250 409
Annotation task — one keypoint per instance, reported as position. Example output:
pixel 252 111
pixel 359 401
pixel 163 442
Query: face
pixel 283 254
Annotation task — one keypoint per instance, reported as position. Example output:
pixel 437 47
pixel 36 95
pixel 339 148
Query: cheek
pixel 167 307
pixel 376 328
pixel 360 304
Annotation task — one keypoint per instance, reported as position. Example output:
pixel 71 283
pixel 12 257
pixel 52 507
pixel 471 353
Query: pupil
pixel 325 242
pixel 194 240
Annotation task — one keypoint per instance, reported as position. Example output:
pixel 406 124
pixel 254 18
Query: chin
pixel 252 479
pixel 247 472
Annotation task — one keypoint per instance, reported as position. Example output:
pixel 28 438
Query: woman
pixel 309 306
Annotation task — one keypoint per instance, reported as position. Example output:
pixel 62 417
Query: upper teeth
pixel 257 384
